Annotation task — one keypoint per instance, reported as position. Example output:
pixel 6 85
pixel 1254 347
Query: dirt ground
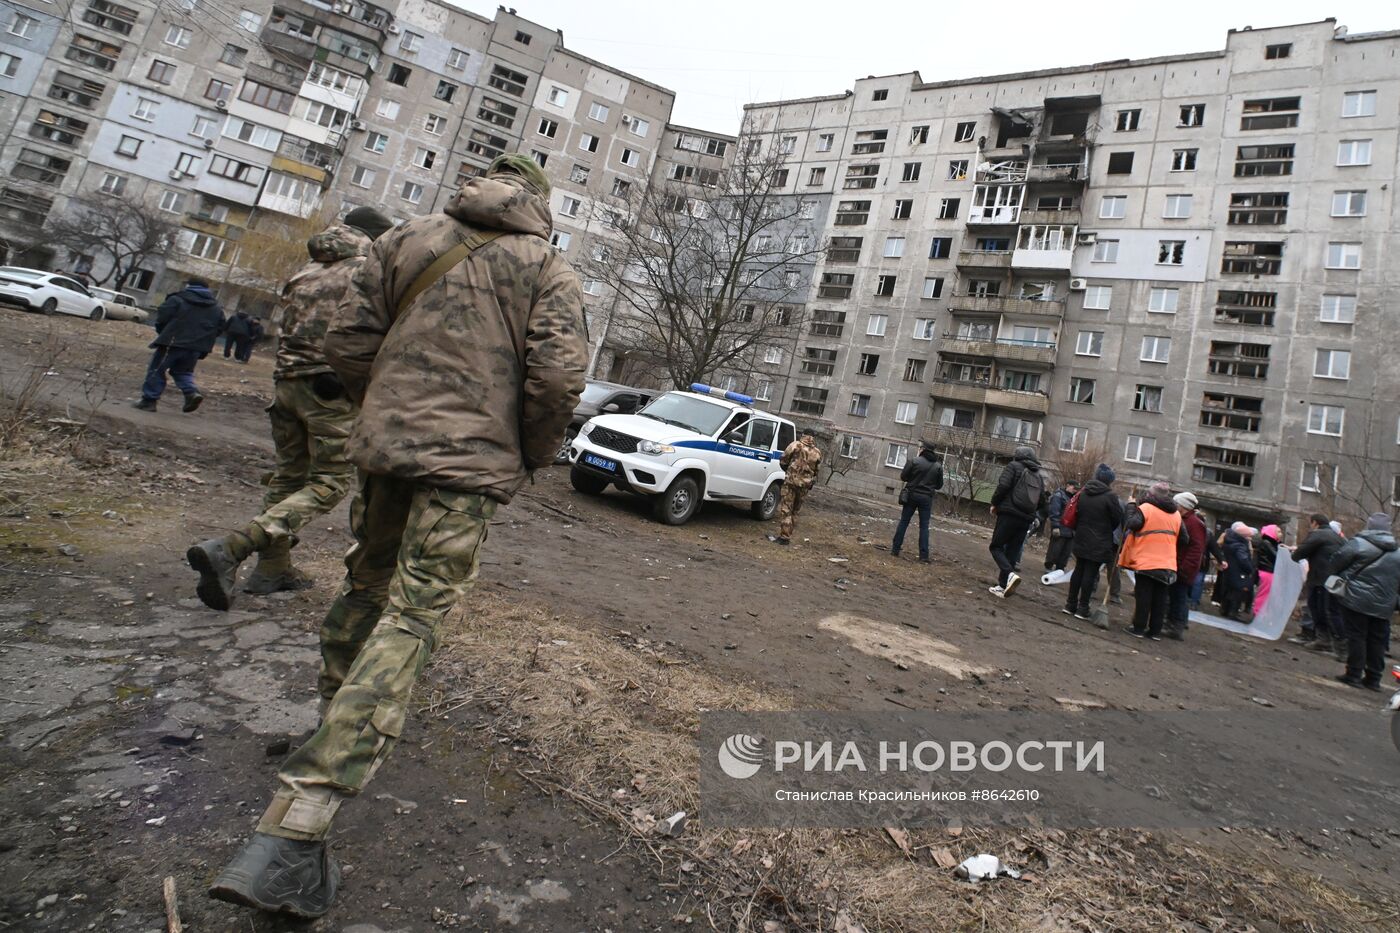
pixel 141 731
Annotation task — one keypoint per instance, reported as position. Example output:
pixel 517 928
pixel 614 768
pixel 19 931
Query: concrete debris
pixel 673 825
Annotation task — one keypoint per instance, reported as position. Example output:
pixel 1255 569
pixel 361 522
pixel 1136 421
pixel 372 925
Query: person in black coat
pixel 1328 629
pixel 1018 501
pixel 1061 538
pixel 1097 523
pixel 239 333
pixel 1237 571
pixel 923 477
pixel 188 323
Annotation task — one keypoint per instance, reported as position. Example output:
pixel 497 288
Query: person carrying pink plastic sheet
pixel 1265 553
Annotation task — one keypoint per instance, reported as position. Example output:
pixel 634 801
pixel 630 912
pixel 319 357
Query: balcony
pixel 978 393
pixel 1076 172
pixel 985 258
pixel 1051 307
pixel 994 214
pixel 1051 218
pixel 1019 351
pixel 1044 247
pixel 1001 172
pixel 944 437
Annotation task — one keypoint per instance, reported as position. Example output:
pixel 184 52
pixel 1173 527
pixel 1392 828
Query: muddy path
pixel 141 731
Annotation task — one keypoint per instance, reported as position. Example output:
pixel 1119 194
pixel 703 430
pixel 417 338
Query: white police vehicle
pixel 684 448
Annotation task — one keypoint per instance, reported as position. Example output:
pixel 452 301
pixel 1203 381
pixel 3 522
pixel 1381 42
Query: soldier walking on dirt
pixel 311 418
pixel 463 339
pixel 800 462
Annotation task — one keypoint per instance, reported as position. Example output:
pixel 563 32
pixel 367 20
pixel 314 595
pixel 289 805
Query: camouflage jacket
pixel 800 463
pixel 472 384
pixel 311 298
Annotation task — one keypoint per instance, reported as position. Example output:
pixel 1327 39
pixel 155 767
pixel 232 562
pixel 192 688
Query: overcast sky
pixel 718 55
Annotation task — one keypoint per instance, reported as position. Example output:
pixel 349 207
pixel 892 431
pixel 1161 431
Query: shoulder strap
pixel 444 264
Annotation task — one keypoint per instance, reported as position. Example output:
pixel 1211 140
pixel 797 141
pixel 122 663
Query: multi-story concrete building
pixel 229 117
pixel 1180 263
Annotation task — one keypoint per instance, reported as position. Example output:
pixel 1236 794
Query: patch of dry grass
pixel 611 719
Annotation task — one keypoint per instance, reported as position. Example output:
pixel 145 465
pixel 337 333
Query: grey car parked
pixel 602 398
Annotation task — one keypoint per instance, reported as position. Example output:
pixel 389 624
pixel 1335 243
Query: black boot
pixel 146 404
pixel 192 401
pixel 217 566
pixel 280 876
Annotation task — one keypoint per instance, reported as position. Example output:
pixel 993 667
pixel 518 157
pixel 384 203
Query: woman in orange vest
pixel 1149 551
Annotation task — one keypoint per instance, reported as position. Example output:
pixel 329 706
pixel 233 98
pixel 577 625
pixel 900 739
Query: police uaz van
pixel 684 448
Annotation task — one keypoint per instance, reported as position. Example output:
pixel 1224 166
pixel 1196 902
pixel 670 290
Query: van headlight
pixel 655 449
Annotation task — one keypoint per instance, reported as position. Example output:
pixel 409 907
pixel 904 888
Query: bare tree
pixel 271 252
pixel 122 229
pixel 966 472
pixel 1077 466
pixel 705 274
pixel 1357 482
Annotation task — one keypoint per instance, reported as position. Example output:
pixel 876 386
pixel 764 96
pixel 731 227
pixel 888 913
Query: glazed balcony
pixel 1057 171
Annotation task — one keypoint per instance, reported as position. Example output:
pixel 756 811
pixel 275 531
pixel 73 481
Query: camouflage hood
pixel 502 201
pixel 337 242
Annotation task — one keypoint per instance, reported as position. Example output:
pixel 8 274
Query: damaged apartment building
pixel 1177 265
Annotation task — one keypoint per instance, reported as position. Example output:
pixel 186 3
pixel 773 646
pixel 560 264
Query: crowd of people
pixel 1351 590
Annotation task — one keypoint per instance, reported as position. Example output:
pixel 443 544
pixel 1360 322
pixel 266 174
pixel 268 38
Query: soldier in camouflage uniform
pixel 463 337
pixel 800 463
pixel 311 418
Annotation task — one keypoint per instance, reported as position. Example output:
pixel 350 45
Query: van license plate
pixel 600 462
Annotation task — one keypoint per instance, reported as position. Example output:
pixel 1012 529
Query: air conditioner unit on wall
pixel 176 174
pixel 392 29
pixel 357 124
pixel 1088 239
pixel 209 144
pixel 221 104
pixel 1078 285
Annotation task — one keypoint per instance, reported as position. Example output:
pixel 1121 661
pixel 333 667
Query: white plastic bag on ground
pixel 983 867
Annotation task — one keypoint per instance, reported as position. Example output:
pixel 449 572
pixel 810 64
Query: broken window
pixel 861 176
pixel 1184 160
pixel 844 249
pixel 1251 258
pixel 1127 120
pixel 1081 390
pixel 957 170
pixel 940 247
pixel 1171 252
pixel 1278 50
pixel 819 362
pixel 869 142
pixel 1258 208
pixel 1224 465
pixel 1239 360
pixel 1120 163
pixel 948 208
pixel 1069 124
pixel 918 135
pixel 1192 115
pixel 1254 161
pixel 964 132
pixel 1252 309
pixel 903 209
pixel 1274 113
pixel 852 213
pixel 836 285
pixel 884 286
pixel 1231 412
pixel 911 171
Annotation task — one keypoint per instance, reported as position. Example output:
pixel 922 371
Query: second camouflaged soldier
pixel 800 463
pixel 464 336
pixel 311 419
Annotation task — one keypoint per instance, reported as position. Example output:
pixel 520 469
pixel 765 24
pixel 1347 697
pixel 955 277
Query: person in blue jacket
pixel 188 323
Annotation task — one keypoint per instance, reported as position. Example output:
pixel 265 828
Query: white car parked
pixel 48 292
pixel 684 448
pixel 119 307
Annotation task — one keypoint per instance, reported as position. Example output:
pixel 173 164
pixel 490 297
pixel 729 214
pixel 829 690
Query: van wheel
pixel 587 483
pixel 49 307
pixel 764 509
pixel 678 505
pixel 97 314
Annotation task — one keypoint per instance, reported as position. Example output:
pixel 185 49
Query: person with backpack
pixel 1366 581
pixel 1097 514
pixel 1018 500
pixel 1057 553
pixel 1154 530
pixel 922 477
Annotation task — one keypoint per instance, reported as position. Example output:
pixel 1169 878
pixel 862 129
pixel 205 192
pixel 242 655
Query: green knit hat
pixel 524 166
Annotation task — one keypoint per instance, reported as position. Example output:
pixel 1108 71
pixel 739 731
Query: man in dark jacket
pixel 1236 571
pixel 239 333
pixel 1100 516
pixel 1370 566
pixel 1019 498
pixel 1061 538
pixel 922 477
pixel 1190 552
pixel 1327 631
pixel 188 323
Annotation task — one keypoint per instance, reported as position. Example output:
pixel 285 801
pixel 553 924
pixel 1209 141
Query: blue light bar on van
pixel 703 389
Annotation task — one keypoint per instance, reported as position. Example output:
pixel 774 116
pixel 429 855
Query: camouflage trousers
pixel 312 474
pixel 788 507
pixel 415 555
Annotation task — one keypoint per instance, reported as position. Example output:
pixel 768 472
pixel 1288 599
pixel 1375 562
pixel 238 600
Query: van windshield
pixel 683 411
